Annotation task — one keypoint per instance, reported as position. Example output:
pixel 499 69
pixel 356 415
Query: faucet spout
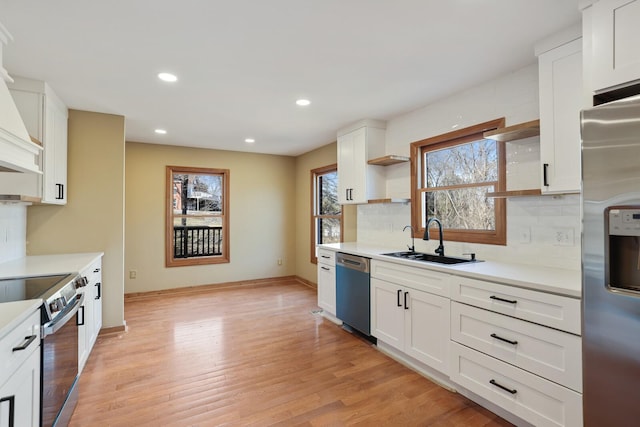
pixel 411 248
pixel 440 249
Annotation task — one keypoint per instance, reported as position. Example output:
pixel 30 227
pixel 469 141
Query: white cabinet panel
pixel 358 181
pixel 414 277
pixel 560 72
pixel 20 395
pixel 556 311
pixel 91 312
pixel 547 352
pixel 616 37
pixel 414 322
pixel 528 396
pixel 327 281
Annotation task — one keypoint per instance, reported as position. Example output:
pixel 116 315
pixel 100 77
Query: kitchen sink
pixel 420 256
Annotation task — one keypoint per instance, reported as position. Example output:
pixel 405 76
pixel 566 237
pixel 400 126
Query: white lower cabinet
pixel 20 374
pixel 327 281
pixel 91 312
pixel 547 352
pixel 413 321
pixel 528 396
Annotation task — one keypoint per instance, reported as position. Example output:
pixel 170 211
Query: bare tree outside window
pixel 451 175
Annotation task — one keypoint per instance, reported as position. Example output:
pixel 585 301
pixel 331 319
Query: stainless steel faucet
pixel 440 250
pixel 411 248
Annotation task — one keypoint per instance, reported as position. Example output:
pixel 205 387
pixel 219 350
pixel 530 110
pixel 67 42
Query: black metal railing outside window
pixel 196 241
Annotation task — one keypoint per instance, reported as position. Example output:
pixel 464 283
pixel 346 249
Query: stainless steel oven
pixel 60 315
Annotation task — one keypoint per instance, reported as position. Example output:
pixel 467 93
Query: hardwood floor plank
pixel 253 355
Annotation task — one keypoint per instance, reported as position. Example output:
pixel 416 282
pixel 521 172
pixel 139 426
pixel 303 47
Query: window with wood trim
pixel 450 176
pixel 326 212
pixel 197 216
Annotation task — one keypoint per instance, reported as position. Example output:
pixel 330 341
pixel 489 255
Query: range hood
pixel 17 152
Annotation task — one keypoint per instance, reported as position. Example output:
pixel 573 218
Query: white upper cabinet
pixel 616 37
pixel 358 181
pixel 561 89
pixel 45 117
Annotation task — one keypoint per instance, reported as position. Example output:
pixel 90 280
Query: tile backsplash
pixel 13 231
pixel 542 230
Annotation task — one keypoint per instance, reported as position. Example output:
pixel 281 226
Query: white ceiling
pixel 242 64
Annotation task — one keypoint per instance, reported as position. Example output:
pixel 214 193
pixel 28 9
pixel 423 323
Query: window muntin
pixel 326 212
pixel 451 175
pixel 197 216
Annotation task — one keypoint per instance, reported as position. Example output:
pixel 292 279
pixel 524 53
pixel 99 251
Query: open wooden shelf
pixel 514 193
pixel 391 159
pixel 511 133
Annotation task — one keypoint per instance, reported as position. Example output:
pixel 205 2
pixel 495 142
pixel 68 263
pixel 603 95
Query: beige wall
pixel 93 218
pixel 320 157
pixel 262 227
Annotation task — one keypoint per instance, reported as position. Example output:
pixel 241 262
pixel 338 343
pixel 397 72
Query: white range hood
pixel 17 152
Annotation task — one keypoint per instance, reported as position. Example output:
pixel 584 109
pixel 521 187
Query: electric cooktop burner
pixel 26 288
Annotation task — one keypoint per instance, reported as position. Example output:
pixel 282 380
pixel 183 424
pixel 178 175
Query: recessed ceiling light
pixel 249 140
pixel 303 102
pixel 167 77
pixel 160 131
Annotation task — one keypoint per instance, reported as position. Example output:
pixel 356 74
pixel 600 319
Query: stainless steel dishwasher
pixel 352 292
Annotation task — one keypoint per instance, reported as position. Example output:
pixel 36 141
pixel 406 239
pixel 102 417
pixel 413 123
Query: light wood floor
pixel 253 355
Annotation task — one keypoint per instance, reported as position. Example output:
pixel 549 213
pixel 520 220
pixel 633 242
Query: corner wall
pixel 93 218
pixel 262 219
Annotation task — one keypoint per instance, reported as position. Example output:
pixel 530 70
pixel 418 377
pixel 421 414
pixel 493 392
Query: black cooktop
pixel 25 288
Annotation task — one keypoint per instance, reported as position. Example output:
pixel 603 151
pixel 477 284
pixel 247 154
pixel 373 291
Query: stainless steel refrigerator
pixel 611 263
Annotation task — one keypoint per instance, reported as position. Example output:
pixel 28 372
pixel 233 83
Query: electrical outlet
pixel 133 274
pixel 279 261
pixel 563 237
pixel 524 235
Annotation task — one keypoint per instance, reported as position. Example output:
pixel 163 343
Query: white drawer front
pixel 550 353
pixel 532 398
pixel 326 257
pixel 556 311
pixel 413 277
pixel 10 360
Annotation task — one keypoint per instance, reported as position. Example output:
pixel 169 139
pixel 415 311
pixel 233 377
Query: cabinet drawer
pixel 326 256
pixel 550 353
pixel 93 273
pixel 525 395
pixel 413 277
pixel 11 359
pixel 556 311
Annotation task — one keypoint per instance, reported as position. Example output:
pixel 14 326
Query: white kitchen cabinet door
pixel 387 313
pixel 616 37
pixel 560 79
pixel 91 312
pixel 20 395
pixel 45 117
pixel 327 288
pixel 358 182
pixel 427 319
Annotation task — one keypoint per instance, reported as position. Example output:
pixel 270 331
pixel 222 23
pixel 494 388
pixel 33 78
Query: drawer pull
pixel 495 383
pixel 27 340
pixel 325 268
pixel 504 339
pixel 399 293
pixel 510 301
pixel 406 307
pixel 325 256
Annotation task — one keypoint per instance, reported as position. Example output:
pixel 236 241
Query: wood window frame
pixel 170 261
pixel 447 140
pixel 314 216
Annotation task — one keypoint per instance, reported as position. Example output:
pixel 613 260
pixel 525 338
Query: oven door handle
pixel 52 327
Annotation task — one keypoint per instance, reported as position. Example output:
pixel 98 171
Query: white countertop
pixel 42 265
pixel 12 313
pixel 546 279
